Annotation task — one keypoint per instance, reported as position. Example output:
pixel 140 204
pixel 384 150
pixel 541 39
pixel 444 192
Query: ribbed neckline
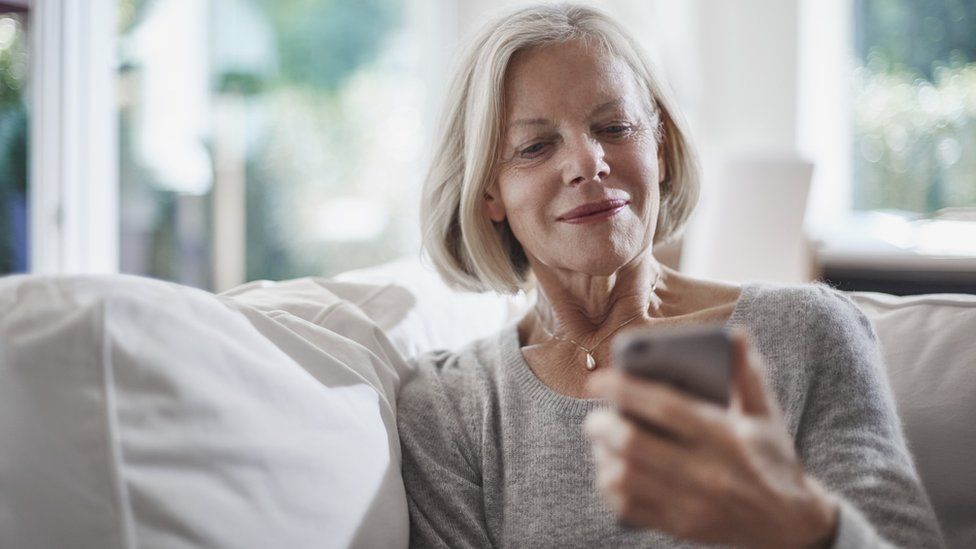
pixel 540 393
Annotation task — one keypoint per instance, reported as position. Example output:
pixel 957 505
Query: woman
pixel 563 163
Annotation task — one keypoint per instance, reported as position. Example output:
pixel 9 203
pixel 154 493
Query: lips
pixel 592 208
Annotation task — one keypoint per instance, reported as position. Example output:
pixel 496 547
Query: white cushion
pixel 137 413
pixel 929 345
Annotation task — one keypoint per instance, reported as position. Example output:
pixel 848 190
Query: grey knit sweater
pixel 492 457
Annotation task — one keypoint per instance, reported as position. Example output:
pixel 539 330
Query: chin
pixel 600 264
pixel 594 256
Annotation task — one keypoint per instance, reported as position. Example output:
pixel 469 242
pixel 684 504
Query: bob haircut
pixel 468 249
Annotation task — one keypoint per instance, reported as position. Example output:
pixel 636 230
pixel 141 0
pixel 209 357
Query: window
pixel 915 105
pixel 269 139
pixel 888 113
pixel 13 142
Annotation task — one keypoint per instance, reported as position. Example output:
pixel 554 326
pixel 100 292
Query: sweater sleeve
pixel 440 471
pixel 850 437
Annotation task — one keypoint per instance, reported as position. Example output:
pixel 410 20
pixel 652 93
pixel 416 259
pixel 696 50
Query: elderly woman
pixel 563 162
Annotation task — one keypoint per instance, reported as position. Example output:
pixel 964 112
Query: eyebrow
pixel 545 121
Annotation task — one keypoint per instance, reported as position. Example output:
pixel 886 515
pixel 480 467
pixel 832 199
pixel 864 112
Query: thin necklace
pixel 590 361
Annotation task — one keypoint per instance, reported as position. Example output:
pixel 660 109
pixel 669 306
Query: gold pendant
pixel 590 362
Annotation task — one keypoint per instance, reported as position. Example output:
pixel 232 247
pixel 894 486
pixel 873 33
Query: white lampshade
pixel 749 222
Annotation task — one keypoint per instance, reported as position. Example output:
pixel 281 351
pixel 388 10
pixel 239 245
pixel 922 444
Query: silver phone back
pixel 695 359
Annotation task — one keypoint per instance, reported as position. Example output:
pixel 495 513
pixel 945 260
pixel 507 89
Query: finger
pixel 752 396
pixel 664 407
pixel 610 432
pixel 621 480
pixel 698 468
pixel 638 497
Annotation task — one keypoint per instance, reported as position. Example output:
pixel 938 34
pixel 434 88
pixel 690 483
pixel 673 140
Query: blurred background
pixel 213 142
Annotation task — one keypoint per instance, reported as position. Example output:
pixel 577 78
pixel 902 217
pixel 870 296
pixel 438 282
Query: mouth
pixel 594 211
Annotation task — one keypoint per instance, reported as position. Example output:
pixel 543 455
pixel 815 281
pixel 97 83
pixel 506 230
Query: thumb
pixel 750 389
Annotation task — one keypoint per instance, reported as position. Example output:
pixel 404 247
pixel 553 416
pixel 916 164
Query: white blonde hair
pixel 468 249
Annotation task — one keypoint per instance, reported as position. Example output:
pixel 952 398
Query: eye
pixel 617 129
pixel 532 151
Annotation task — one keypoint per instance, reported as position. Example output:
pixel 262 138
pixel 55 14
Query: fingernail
pixel 615 434
pixel 599 453
pixel 593 424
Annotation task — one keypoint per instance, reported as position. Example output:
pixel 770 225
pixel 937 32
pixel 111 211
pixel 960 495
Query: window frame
pixel 73 188
pixel 824 108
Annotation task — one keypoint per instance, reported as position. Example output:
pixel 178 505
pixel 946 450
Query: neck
pixel 587 307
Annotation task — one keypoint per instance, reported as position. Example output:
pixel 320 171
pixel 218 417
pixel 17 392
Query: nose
pixel 585 161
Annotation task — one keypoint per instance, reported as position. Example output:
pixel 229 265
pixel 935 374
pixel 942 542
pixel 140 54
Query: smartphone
pixel 695 359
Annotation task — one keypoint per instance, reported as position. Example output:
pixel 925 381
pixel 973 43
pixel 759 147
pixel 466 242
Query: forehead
pixel 566 78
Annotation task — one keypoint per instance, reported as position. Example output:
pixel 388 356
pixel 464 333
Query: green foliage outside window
pixel 320 48
pixel 915 105
pixel 13 145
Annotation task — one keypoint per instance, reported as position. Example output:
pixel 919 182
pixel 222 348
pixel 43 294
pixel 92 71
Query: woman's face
pixel 577 133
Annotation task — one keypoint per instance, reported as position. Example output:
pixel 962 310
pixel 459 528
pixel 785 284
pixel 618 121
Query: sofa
pixel 140 413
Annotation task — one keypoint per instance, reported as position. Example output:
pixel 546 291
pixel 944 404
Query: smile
pixel 592 213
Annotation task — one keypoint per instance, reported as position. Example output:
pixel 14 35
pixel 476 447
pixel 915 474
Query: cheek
pixel 639 169
pixel 527 194
pixel 526 214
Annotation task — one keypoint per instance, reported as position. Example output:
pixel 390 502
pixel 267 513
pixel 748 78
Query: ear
pixel 493 206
